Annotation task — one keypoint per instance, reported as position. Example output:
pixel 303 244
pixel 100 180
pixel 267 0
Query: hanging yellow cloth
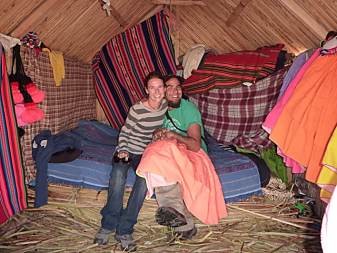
pixel 327 178
pixel 57 62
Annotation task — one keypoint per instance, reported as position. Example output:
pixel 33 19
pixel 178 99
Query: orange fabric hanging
pixel 310 116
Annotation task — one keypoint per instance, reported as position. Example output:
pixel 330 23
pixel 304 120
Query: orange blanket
pixel 309 118
pixel 194 171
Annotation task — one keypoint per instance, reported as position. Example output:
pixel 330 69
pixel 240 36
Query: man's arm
pixel 192 140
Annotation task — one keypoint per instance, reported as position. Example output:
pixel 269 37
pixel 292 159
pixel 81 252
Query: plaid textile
pixel 232 69
pixel 63 105
pixel 123 63
pixel 235 116
pixel 12 187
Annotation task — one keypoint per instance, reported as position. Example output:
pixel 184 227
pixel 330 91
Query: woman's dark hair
pixel 170 76
pixel 152 75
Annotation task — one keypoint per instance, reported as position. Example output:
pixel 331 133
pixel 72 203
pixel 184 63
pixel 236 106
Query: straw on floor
pixel 70 220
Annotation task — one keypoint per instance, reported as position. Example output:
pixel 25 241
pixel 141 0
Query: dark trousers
pixel 113 214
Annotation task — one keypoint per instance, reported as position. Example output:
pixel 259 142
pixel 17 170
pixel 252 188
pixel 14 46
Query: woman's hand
pixel 159 134
pixel 123 155
pixel 170 135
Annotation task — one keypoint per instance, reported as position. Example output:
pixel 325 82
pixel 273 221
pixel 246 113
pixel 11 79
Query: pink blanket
pixel 194 171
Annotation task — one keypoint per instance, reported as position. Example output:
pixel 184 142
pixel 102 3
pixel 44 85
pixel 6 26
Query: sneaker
pixel 168 216
pixel 102 236
pixel 127 242
pixel 186 235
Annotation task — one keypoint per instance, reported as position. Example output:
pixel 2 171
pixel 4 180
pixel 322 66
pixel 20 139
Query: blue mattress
pixel 238 175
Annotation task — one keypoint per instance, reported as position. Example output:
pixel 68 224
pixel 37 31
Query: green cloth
pixel 183 117
pixel 275 163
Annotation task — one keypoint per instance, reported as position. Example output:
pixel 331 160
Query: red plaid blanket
pixel 232 69
pixel 235 116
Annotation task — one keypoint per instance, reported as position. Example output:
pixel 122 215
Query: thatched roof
pixel 79 28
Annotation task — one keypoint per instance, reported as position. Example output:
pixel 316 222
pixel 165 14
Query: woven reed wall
pixel 79 28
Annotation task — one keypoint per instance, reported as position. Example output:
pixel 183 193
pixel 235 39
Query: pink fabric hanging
pixel 272 117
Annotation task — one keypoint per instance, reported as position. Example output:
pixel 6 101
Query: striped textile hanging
pixel 121 66
pixel 12 188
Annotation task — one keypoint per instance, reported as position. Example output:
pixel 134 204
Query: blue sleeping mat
pixel 238 175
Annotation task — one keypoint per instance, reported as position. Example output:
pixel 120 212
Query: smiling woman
pixel 155 90
pixel 143 118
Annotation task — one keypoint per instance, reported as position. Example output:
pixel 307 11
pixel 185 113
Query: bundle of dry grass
pixel 70 220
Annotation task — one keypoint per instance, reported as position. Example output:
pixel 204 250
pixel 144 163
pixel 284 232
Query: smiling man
pixel 183 117
pixel 177 168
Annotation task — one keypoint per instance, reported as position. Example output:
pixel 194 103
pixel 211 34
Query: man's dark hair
pixel 152 75
pixel 170 76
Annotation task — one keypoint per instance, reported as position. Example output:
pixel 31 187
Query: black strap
pixel 184 131
pixel 170 119
pixel 20 75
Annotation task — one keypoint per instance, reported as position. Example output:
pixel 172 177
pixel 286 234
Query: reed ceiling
pixel 79 28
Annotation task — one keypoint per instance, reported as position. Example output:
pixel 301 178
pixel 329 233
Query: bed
pixel 238 175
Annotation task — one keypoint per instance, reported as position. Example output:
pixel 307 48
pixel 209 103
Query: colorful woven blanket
pixel 12 187
pixel 232 69
pixel 123 63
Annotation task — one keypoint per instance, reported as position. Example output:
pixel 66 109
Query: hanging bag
pixel 26 110
pixel 28 89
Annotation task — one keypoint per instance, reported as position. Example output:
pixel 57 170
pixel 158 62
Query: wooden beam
pixel 237 11
pixel 118 17
pixel 293 7
pixel 150 13
pixel 179 2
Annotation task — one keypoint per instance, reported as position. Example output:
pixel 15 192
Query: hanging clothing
pixel 272 117
pixel 8 43
pixel 13 197
pixel 309 118
pixel 57 63
pixel 44 145
pixel 295 67
pixel 327 178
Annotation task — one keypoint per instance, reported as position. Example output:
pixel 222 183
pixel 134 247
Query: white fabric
pixel 332 43
pixel 153 181
pixel 329 226
pixel 8 42
pixel 192 59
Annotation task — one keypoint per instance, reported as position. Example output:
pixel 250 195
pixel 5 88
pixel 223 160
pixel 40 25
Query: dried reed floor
pixel 70 220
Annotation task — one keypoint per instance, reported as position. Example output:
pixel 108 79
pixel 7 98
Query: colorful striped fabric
pixel 123 63
pixel 232 69
pixel 12 187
